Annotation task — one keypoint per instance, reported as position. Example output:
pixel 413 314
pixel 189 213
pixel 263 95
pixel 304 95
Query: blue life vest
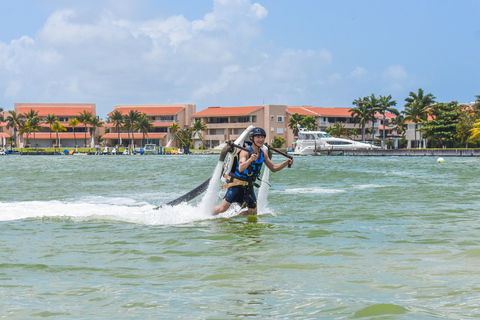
pixel 253 170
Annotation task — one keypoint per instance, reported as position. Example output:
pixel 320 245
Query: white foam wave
pixel 100 208
pixel 318 190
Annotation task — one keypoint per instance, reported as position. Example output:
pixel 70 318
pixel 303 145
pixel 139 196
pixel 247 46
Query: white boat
pixel 150 148
pixel 315 142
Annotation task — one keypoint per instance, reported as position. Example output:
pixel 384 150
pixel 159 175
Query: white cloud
pixel 358 73
pixel 395 73
pixel 99 57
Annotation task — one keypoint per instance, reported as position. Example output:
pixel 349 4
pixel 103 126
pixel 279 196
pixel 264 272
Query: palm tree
pixel 73 123
pixel 294 121
pixel 31 124
pixel 132 118
pixel 475 131
pixel 184 137
pixel 398 124
pixel 373 105
pixel 117 120
pixel 14 121
pixel 198 127
pixel 416 108
pixel 57 127
pixel 95 122
pixel 385 104
pixel 144 125
pixel 338 130
pixel 361 114
pixel 173 129
pixel 50 120
pixel 309 123
pixel 85 118
pixel 126 126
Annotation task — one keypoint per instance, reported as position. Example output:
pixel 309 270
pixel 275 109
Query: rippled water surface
pixel 340 238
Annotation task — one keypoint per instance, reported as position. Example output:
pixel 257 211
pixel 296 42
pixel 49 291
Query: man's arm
pixel 275 167
pixel 244 161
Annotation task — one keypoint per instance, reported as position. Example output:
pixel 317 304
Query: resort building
pixel 3 131
pixel 227 123
pixel 162 118
pixel 43 136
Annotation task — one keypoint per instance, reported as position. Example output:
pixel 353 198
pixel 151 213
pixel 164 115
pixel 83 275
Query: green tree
pixel 295 121
pixel 416 108
pixel 32 124
pixel 386 104
pixel 131 119
pixel 475 131
pixel 173 130
pixel 353 132
pixel 442 128
pixel 117 120
pixel 95 122
pixel 73 123
pixel 85 118
pixel 14 121
pixel 198 127
pixel 144 125
pixel 466 120
pixel 50 120
pixel 373 105
pixel 57 127
pixel 184 137
pixel 278 142
pixel 361 114
pixel 309 123
pixel 338 130
pixel 398 124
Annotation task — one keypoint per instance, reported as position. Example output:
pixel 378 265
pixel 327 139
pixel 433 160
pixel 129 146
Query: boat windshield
pixel 312 136
pixel 324 135
pixel 306 136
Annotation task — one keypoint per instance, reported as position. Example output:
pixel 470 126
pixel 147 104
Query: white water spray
pixel 211 195
pixel 263 191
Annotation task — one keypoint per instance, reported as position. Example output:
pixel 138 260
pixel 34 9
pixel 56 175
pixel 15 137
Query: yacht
pixel 315 142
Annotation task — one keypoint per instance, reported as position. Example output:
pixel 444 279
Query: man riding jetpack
pixel 244 173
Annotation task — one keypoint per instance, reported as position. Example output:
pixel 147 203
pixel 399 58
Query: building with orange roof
pixel 44 137
pixel 227 123
pixel 162 117
pixel 3 131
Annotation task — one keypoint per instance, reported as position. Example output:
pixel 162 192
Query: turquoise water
pixel 340 238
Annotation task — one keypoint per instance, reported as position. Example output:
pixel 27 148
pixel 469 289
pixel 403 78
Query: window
pixel 280 130
pixel 280 119
pixel 217 120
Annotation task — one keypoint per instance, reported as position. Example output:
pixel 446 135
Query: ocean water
pixel 336 238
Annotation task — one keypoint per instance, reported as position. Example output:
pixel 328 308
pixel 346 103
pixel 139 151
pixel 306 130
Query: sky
pixel 321 53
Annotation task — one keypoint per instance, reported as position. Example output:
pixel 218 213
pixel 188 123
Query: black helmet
pixel 257 132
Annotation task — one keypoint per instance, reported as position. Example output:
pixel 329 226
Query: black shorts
pixel 241 195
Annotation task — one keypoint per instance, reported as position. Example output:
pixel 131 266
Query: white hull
pixel 317 142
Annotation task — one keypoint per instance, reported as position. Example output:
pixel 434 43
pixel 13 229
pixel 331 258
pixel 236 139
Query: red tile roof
pixel 59 111
pixel 4 134
pixel 226 111
pixel 327 112
pixel 155 124
pixel 151 110
pixel 152 135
